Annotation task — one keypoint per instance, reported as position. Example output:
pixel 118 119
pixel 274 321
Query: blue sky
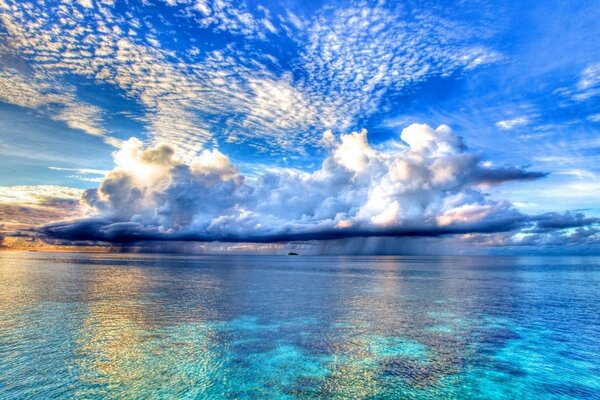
pixel 262 82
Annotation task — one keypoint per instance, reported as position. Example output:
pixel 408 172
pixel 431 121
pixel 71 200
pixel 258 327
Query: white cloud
pixel 85 3
pixel 356 55
pixel 590 78
pixel 84 171
pixel 594 117
pixel 37 194
pixel 508 124
pixel 431 185
pixel 57 101
pixel 588 85
pixel 84 117
pixel 195 97
pixel 328 139
pixel 229 16
pixel 83 174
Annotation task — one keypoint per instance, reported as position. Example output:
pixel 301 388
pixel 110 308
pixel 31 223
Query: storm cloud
pixel 430 186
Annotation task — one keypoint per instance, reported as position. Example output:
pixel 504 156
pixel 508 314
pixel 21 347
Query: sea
pixel 156 326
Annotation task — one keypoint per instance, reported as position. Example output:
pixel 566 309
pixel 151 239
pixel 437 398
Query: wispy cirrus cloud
pixel 587 85
pixel 83 174
pixel 57 101
pixel 508 124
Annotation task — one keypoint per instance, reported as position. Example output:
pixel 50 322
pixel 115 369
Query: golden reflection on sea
pixel 121 347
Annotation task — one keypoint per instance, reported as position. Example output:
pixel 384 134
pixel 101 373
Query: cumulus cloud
pixel 428 188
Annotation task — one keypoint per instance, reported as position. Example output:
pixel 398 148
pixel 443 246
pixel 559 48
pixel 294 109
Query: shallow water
pixel 163 326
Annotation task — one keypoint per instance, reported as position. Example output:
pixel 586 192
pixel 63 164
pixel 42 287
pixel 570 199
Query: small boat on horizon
pixel 291 253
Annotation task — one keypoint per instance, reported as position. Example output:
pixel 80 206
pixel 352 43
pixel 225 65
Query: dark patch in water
pixel 253 346
pixel 314 347
pixel 507 368
pixel 415 373
pixel 498 337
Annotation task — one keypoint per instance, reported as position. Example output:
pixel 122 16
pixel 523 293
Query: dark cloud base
pixel 130 232
pixel 550 233
pixel 431 189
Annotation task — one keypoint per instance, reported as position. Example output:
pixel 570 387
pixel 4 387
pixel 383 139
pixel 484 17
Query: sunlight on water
pixel 98 326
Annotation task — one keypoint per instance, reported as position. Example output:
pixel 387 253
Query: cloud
pixel 357 55
pixel 589 82
pixel 493 176
pixel 23 206
pixel 587 87
pixel 325 72
pixel 509 124
pixel 553 221
pixel 37 194
pixel 57 101
pixel 594 117
pixel 551 232
pixel 427 189
pixel 227 16
pixel 83 174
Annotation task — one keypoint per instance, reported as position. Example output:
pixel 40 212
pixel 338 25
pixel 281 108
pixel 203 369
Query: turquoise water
pixel 161 326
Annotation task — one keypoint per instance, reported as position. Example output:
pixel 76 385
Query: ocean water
pixel 162 326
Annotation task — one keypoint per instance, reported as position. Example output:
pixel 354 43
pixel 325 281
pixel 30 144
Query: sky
pixel 331 127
